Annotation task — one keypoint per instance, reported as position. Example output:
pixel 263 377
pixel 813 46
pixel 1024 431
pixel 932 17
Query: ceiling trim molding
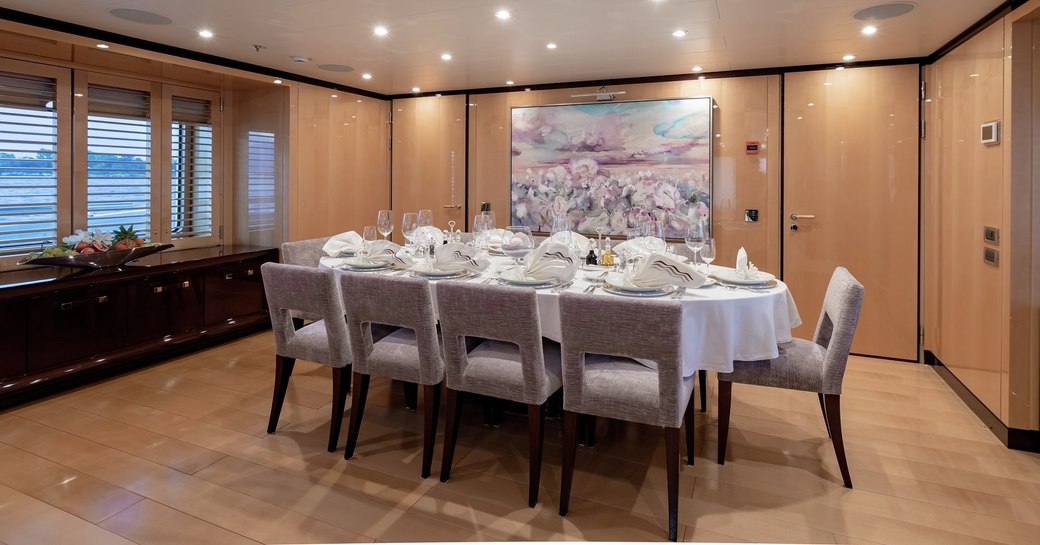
pixel 129 41
pixel 982 24
pixel 780 70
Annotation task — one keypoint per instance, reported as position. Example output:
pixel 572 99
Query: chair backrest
pixel 630 328
pixel 314 291
pixel 492 312
pixel 396 301
pixel 837 325
pixel 303 252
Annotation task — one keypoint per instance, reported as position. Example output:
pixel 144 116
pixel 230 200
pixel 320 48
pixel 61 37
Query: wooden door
pixel 429 160
pixel 851 162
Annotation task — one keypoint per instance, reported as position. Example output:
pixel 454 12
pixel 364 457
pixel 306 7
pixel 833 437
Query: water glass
pixel 369 236
pixel 384 223
pixel 425 218
pixel 518 242
pixel 708 254
pixel 695 235
pixel 409 223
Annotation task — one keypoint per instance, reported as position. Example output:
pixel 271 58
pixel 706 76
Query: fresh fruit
pixel 123 245
pixel 88 250
pixel 98 246
pixel 81 245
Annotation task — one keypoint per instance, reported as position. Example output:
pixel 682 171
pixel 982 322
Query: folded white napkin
pixel 458 257
pixel 578 242
pixel 550 261
pixel 384 251
pixel 343 243
pixel 660 270
pixel 428 232
pixel 745 267
pixel 641 246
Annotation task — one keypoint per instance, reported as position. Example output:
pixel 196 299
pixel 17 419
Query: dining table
pixel 721 322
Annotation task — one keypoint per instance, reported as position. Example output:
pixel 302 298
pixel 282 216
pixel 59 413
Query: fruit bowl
pixel 99 260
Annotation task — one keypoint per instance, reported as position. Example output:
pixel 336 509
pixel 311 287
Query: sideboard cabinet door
pixel 166 305
pixel 76 324
pixel 12 338
pixel 234 291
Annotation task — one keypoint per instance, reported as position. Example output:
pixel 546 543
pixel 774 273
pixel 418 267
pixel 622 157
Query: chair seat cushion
pixel 494 369
pixel 396 356
pixel 799 367
pixel 624 389
pixel 311 343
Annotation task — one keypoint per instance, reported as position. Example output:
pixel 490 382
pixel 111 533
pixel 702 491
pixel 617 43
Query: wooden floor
pixel 177 453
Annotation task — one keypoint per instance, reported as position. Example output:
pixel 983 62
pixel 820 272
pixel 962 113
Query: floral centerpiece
pixel 96 249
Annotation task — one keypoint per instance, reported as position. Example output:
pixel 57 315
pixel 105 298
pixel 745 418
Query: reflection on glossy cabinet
pixel 12 339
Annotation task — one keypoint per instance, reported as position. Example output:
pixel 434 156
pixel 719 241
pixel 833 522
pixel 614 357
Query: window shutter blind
pixel 119 141
pixel 28 163
pixel 191 176
pixel 261 182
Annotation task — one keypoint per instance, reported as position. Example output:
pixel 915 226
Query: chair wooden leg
pixel 432 400
pixel 702 377
pixel 725 400
pixel 570 448
pixel 535 439
pixel 688 418
pixel 451 432
pixel 833 407
pixel 340 386
pixel 411 395
pixel 823 409
pixel 283 369
pixel 587 430
pixel 671 440
pixel 357 409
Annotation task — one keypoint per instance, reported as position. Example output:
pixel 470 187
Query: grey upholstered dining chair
pixel 292 288
pixel 513 363
pixel 305 253
pixel 601 336
pixel 812 366
pixel 411 354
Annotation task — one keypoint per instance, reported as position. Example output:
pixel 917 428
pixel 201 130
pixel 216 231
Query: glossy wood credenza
pixel 62 327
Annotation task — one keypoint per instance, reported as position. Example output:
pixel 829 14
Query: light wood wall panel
pixel 429 153
pixel 258 109
pixel 964 183
pixel 748 109
pixel 339 155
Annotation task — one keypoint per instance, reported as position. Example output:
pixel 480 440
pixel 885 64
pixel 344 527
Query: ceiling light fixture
pixel 335 68
pixel 366 75
pixel 680 33
pixel 139 16
pixel 848 58
pixel 840 68
pixel 445 56
pixel 102 46
pixel 884 11
pixel 697 68
pixel 869 30
pixel 827 84
pixel 502 14
pixel 700 77
pixel 277 82
pixel 509 82
pixel 550 45
pixel 380 30
pixel 205 33
pixel 601 94
pixel 334 96
pixel 416 89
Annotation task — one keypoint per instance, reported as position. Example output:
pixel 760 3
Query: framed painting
pixel 612 165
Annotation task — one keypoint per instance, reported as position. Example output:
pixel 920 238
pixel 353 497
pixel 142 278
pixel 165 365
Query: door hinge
pixel 924 88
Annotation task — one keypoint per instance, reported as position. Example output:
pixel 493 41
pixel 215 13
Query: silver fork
pixel 562 287
pixel 679 292
pixel 591 288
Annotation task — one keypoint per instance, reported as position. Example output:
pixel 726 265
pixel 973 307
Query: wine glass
pixel 409 223
pixel 561 224
pixel 369 236
pixel 384 223
pixel 708 254
pixel 490 215
pixel 425 218
pixel 481 228
pixel 518 242
pixel 695 240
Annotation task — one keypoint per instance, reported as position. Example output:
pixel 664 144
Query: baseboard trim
pixel 1013 438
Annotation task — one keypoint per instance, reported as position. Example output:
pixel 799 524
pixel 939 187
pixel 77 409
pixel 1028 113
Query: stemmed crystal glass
pixel 561 224
pixel 425 218
pixel 384 223
pixel 482 225
pixel 518 242
pixel 409 223
pixel 369 236
pixel 695 237
pixel 708 254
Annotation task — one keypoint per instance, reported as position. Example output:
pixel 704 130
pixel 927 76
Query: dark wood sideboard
pixel 62 327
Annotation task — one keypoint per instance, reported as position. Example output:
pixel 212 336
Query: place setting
pixel 452 261
pixel 658 275
pixel 549 266
pixel 745 276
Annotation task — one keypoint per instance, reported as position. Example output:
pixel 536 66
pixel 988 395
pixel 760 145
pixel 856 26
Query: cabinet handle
pixel 186 284
pixel 160 289
pixel 231 276
pixel 93 300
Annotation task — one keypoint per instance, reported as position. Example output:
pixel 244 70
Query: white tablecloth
pixel 719 325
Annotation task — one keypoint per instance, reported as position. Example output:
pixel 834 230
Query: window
pixel 261 183
pixel 28 162
pixel 119 165
pixel 191 169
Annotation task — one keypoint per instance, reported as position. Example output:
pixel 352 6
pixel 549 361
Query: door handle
pixel 452 206
pixel 796 216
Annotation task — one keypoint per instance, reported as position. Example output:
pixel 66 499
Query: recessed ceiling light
pixel 973 75
pixel 550 45
pixel 445 56
pixel 527 89
pixel 869 30
pixel 811 104
pixel 139 16
pixel 697 68
pixel 102 46
pixel 277 82
pixel 334 96
pixel 510 82
pixel 700 77
pixel 416 89
pixel 848 58
pixel 380 31
pixel 205 33
pixel 679 33
pixel 502 14
pixel 827 84
pixel 366 75
pixel 437 95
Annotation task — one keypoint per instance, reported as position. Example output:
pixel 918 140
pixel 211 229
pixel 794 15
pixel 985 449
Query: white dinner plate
pixel 657 292
pixel 730 276
pixel 617 281
pixel 515 277
pixel 358 263
pixel 438 273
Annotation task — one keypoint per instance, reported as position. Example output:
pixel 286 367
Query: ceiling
pixel 596 39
